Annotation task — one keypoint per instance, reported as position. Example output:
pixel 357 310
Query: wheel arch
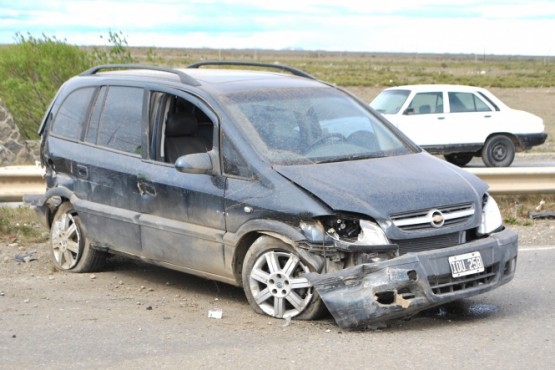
pixel 509 135
pixel 46 205
pixel 253 230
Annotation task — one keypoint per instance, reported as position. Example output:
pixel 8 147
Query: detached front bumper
pixel 370 293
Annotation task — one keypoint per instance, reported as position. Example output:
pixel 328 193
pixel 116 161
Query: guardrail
pixel 18 180
pixel 518 180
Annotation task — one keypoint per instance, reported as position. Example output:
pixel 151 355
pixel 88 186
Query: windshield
pixel 302 125
pixel 390 101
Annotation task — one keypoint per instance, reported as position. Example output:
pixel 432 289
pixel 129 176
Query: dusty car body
pixel 282 184
pixel 461 122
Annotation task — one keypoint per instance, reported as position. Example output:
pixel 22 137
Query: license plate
pixel 466 264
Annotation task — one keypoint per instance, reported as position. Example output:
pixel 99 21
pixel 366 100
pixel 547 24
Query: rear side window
pixel 117 119
pixel 72 114
pixel 466 102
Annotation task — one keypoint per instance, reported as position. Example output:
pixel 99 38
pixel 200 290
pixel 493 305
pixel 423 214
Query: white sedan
pixel 460 122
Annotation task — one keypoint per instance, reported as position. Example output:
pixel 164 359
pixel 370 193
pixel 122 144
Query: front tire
pixel 70 249
pixel 274 283
pixel 499 151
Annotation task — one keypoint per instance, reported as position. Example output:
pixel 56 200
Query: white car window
pixel 390 101
pixel 466 102
pixel 426 103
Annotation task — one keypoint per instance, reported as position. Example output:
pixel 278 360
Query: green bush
pixel 31 71
pixel 117 53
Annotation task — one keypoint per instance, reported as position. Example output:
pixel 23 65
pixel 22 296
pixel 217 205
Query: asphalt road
pixel 134 315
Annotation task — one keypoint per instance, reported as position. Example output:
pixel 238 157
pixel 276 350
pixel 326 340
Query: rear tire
pixel 70 249
pixel 499 151
pixel 274 284
pixel 459 159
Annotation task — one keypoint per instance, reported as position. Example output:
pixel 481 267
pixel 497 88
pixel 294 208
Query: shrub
pixel 31 71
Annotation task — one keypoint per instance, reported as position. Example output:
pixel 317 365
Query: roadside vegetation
pixel 383 69
pixel 20 225
pixel 516 209
pixel 32 69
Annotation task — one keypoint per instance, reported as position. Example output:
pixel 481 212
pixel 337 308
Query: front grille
pixel 446 284
pixel 429 243
pixel 424 219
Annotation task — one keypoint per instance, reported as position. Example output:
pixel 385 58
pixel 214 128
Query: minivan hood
pixel 384 186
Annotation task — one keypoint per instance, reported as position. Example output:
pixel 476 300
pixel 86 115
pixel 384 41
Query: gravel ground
pixel 541 233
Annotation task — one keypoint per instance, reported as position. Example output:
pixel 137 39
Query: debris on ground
pixel 542 215
pixel 215 314
pixel 26 258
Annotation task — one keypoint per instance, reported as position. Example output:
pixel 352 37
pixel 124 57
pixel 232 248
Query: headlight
pixel 371 234
pixel 491 217
pixel 344 229
pixel 313 231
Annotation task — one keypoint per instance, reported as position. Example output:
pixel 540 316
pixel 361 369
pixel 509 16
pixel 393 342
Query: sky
pixel 501 27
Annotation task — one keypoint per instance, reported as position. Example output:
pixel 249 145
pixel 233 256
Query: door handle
pixel 82 171
pixel 441 117
pixel 487 116
pixel 145 188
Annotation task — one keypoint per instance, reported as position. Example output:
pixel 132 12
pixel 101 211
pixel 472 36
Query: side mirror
pixel 199 163
pixel 408 111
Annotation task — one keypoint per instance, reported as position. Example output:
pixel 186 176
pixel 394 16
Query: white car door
pixel 470 117
pixel 422 119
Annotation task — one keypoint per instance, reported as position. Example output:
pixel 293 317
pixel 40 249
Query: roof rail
pixel 281 67
pixel 183 77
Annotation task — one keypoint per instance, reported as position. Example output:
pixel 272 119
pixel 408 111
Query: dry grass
pixel 516 209
pixel 20 225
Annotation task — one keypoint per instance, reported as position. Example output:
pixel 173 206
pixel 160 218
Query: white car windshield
pixel 390 101
pixel 291 126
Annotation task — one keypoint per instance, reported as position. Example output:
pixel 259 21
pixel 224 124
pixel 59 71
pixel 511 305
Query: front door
pixel 182 215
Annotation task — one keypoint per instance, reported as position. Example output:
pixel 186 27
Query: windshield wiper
pixel 351 158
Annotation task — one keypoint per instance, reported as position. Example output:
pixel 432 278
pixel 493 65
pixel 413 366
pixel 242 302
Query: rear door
pixel 102 163
pixel 471 117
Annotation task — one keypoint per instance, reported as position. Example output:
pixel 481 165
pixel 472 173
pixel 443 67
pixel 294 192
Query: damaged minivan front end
pixel 381 284
pixel 392 267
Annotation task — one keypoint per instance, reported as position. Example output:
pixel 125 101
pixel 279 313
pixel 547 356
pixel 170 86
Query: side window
pixel 117 119
pixel 181 127
pixel 92 131
pixel 466 102
pixel 426 103
pixel 480 105
pixel 72 115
